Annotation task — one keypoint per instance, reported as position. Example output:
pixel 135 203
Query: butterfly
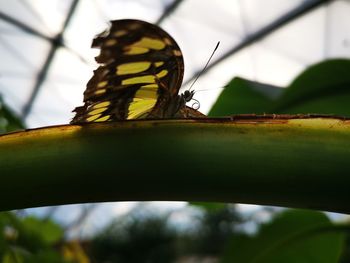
pixel 139 76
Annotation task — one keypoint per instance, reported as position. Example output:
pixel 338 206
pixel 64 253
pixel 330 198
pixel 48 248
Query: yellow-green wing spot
pixel 94 117
pixel 120 33
pixel 159 63
pixel 144 45
pixel 139 107
pixel 97 111
pixel 135 50
pixel 102 84
pixel 133 67
pixel 147 92
pixel 150 43
pixel 104 118
pixel 110 42
pixel 144 100
pixel 100 91
pixel 144 79
pixel 139 80
pixel 101 105
pixel 162 73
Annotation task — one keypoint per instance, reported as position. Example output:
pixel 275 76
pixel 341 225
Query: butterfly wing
pixel 141 70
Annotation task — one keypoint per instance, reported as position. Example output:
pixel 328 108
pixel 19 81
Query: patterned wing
pixel 141 68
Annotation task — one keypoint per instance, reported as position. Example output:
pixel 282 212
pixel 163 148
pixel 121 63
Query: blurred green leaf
pixel 244 96
pixel 293 236
pixel 12 257
pixel 28 239
pixel 45 230
pixel 45 257
pixel 209 206
pixel 8 232
pixel 322 88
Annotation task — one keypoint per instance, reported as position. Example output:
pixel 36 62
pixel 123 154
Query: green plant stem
pixel 272 161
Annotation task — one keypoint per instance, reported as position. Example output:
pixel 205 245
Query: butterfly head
pixel 188 95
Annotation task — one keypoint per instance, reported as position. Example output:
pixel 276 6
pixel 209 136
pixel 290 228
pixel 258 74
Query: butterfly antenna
pixel 200 90
pixel 206 65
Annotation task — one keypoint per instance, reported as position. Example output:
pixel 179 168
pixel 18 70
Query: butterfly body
pixel 140 73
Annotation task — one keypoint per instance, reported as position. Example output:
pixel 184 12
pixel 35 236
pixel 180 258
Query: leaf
pixel 293 236
pixel 14 255
pixel 209 206
pixel 28 239
pixel 274 160
pixel 73 252
pixel 242 96
pixel 8 223
pixel 45 230
pixel 322 88
pixel 47 256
